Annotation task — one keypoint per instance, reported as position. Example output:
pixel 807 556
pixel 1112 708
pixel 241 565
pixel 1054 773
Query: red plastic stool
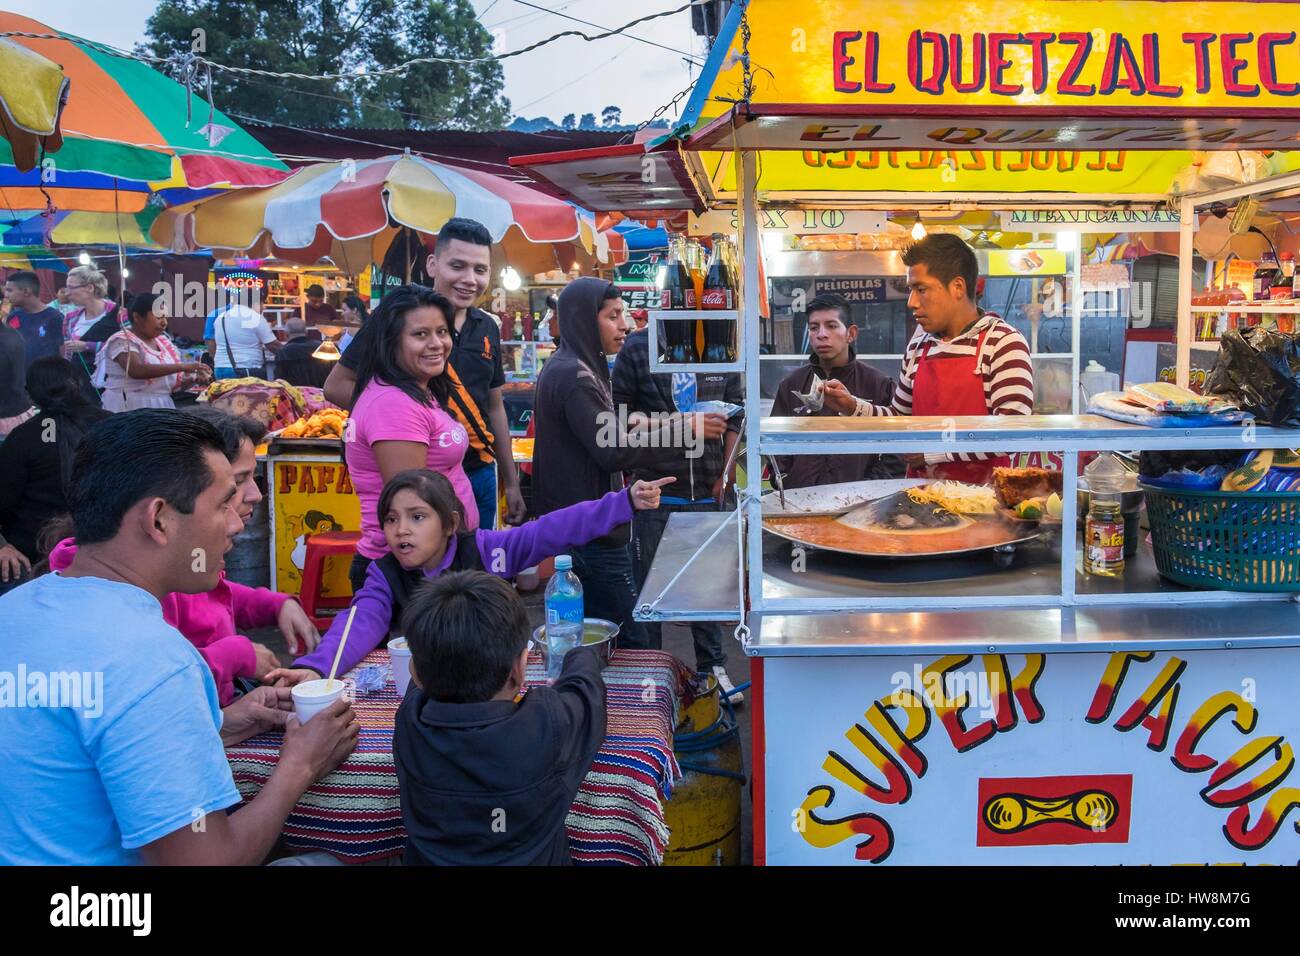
pixel 320 547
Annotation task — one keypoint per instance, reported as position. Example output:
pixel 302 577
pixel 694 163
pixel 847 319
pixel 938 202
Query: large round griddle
pixel 828 534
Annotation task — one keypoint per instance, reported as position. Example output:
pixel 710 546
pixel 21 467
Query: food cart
pixel 971 711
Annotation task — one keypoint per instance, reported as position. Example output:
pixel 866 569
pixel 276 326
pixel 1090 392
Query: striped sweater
pixel 1003 362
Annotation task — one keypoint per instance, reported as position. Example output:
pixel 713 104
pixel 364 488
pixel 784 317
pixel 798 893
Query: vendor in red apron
pixel 961 361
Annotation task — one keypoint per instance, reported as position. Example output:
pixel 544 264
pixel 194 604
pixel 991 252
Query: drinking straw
pixel 339 653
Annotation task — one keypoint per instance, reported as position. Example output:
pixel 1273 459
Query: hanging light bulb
pixel 918 231
pixel 84 258
pixel 328 351
pixel 126 273
pixel 510 279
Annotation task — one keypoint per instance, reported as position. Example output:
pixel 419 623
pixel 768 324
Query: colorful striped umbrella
pixel 125 119
pixel 350 211
pixel 33 91
pixel 32 257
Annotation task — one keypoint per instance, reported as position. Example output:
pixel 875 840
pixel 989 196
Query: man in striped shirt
pixel 961 361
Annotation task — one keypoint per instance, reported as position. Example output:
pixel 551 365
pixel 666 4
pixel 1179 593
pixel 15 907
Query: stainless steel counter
pixel 1004 433
pixel 1026 630
pixel 709 588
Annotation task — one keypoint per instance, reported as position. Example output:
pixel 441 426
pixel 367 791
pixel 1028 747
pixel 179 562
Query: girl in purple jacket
pixel 421 518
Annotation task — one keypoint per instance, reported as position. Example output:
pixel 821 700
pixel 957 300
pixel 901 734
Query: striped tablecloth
pixel 617 818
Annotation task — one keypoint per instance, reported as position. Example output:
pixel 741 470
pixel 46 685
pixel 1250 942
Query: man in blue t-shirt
pixel 40 326
pixel 111 736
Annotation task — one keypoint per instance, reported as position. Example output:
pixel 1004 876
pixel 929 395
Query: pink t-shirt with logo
pixel 385 413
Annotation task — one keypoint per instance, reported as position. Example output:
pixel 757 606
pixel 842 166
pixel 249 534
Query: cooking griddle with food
pixel 898 525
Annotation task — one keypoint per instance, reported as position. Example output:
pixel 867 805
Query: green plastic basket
pixel 1228 540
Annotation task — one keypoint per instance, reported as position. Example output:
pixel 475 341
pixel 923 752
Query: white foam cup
pixel 400 652
pixel 313 696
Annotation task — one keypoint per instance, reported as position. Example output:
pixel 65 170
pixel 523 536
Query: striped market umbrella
pixel 33 91
pixel 350 212
pixel 33 257
pixel 126 120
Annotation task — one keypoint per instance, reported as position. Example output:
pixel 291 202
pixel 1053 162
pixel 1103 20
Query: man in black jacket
pixel 583 445
pixel 485 780
pixel 700 477
pixel 832 333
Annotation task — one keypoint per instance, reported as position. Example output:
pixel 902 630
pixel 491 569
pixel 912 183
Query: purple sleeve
pixel 508 551
pixel 374 604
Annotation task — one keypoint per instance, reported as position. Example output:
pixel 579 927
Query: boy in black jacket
pixel 485 780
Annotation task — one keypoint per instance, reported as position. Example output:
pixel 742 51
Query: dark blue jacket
pixel 491 783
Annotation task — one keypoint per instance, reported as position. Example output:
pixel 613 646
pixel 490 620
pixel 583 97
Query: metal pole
pixel 1183 342
pixel 750 250
pixel 1075 264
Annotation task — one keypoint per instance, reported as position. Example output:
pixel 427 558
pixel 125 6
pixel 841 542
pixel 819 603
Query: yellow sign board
pixel 310 495
pixel 963 170
pixel 1239 57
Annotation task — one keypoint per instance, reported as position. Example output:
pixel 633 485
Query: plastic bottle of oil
pixel 1103 535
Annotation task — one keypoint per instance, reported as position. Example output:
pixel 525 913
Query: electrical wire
pixel 599 66
pixel 401 68
pixel 564 16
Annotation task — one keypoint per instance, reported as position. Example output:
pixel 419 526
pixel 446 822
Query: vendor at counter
pixel 832 333
pixel 316 311
pixel 961 361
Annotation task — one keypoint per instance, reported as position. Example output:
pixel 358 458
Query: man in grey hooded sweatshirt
pixel 581 447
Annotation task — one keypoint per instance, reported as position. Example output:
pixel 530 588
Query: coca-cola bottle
pixel 678 294
pixel 719 334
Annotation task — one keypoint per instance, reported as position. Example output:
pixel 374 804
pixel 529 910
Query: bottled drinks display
pixel 719 294
pixel 564 614
pixel 678 294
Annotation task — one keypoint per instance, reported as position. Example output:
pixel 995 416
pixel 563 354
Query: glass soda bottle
pixel 563 615
pixel 719 334
pixel 678 294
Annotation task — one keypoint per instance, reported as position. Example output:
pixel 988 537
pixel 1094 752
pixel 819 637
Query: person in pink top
pixel 212 621
pixel 399 420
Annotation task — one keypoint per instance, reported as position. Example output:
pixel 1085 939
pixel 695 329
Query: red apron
pixel 952 385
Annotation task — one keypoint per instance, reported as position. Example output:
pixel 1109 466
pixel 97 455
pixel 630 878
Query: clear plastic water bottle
pixel 563 615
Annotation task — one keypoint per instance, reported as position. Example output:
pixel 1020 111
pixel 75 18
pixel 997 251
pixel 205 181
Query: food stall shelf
pixel 827 581
pixel 1141 583
pixel 707 546
pixel 656 316
pixel 1024 631
pixel 1284 307
pixel 1004 433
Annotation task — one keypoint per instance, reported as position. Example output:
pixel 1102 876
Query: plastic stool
pixel 319 547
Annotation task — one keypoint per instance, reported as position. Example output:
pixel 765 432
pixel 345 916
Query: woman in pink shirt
pixel 399 420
